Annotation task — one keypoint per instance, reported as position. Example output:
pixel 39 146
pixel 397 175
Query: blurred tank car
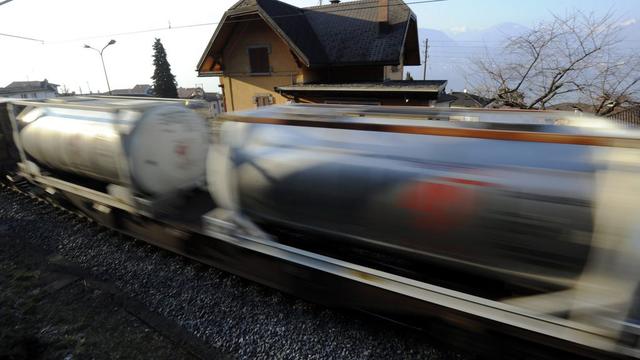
pixel 133 149
pixel 445 186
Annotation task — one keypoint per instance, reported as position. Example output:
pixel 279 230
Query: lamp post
pixel 111 42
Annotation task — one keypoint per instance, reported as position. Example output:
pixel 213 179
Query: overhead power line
pixel 340 8
pixel 22 37
pixel 170 27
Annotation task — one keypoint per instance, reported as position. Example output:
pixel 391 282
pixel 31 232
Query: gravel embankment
pixel 238 317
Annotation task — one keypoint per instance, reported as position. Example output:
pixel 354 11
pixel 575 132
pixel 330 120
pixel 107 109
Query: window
pixel 263 100
pixel 259 59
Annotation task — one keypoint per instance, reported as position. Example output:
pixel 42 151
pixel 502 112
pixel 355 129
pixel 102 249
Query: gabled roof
pixel 29 86
pixel 349 32
pixel 572 106
pixel 330 35
pixel 142 88
pixel 464 99
pixel 138 90
pixel 242 4
pixel 292 25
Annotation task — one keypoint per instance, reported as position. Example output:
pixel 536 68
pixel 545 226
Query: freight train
pixel 518 219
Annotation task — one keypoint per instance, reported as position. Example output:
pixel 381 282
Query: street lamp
pixel 111 42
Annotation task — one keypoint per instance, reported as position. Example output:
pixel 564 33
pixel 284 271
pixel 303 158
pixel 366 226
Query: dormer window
pixel 259 59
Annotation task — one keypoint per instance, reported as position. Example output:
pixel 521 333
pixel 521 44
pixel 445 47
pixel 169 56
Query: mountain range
pixel 451 52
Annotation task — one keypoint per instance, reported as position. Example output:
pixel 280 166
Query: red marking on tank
pixel 181 149
pixel 441 206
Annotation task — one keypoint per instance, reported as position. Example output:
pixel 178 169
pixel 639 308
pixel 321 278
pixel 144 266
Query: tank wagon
pixel 138 152
pixel 517 219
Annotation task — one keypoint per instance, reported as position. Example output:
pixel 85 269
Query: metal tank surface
pixel 155 147
pixel 508 193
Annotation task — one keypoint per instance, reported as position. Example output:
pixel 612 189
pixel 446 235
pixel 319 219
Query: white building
pixel 214 99
pixel 216 104
pixel 30 90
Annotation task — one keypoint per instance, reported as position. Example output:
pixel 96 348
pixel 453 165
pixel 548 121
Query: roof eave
pixel 434 89
pixel 372 90
pixel 210 73
pixel 411 17
pixel 213 38
pixel 267 19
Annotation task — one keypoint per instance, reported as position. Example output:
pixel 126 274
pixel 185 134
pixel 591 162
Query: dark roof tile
pixel 350 33
pixel 292 22
pixel 346 33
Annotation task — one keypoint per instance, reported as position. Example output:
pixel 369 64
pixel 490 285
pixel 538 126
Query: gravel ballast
pixel 239 317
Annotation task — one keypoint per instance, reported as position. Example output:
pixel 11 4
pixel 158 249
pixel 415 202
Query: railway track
pixel 52 285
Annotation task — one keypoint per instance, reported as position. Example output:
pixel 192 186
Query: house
pixel 30 90
pixel 138 90
pixel 579 107
pixel 216 105
pixel 269 52
pixel 462 99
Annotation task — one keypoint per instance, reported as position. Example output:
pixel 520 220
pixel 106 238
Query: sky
pixel 66 25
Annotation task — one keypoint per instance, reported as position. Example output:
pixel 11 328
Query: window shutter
pixel 259 60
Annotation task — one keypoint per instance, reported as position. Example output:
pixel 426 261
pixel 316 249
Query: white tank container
pixel 152 149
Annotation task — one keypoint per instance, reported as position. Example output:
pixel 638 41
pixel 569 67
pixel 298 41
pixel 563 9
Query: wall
pixel 239 85
pixel 31 95
pixel 215 107
pixel 393 72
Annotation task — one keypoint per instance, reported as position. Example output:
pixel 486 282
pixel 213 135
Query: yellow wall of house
pixel 239 92
pixel 239 86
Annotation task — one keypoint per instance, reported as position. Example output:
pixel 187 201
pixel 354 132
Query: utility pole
pixel 426 57
pixel 102 58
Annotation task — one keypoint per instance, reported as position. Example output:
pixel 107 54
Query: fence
pixel 627 118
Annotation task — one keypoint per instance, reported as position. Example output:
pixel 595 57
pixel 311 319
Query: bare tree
pixel 616 82
pixel 575 56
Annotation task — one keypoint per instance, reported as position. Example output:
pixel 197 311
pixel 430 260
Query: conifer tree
pixel 164 83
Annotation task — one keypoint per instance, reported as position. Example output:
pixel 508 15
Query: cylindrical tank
pixel 155 148
pixel 444 188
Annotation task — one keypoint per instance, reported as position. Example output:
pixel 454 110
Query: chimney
pixel 383 12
